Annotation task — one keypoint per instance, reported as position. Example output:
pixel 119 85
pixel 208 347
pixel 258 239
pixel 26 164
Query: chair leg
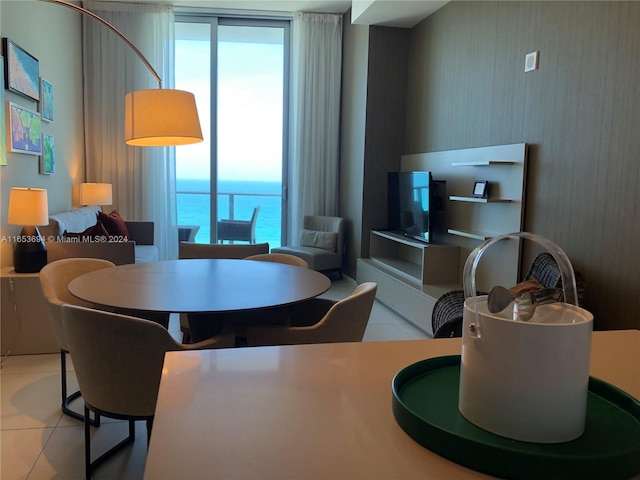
pixel 149 427
pixel 66 400
pixel 87 444
pixel 91 466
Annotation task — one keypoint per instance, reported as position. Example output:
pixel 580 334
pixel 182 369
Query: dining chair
pixel 269 316
pixel 54 280
pixel 204 325
pixel 190 250
pixel 118 361
pixel 321 321
pixel 279 258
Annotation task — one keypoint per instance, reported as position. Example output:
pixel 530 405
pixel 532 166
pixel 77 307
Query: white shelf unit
pixel 482 236
pixel 419 262
pixel 481 163
pixel 411 275
pixel 478 200
pixel 470 220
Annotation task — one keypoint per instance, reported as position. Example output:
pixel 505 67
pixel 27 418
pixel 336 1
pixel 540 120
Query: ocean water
pixel 194 209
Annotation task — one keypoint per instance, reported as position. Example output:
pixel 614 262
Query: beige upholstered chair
pixel 279 258
pixel 54 279
pixel 212 250
pixel 118 361
pixel 321 321
pixel 242 230
pixel 320 244
pixel 188 250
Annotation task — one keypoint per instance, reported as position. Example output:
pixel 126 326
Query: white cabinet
pixel 419 262
pixel 411 275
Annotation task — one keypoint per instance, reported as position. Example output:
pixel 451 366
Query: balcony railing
pixel 238 206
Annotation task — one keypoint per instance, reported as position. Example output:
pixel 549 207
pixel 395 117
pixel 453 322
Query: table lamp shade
pixel 96 194
pixel 28 207
pixel 161 118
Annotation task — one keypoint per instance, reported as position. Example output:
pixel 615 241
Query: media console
pixel 411 275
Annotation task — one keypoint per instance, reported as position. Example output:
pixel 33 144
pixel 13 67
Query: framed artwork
pixel 46 100
pixel 48 157
pixel 22 71
pixel 481 189
pixel 25 130
pixel 3 119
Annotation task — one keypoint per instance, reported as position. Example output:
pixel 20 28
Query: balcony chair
pixel 54 280
pixel 321 321
pixel 118 362
pixel 238 230
pixel 446 319
pixel 320 243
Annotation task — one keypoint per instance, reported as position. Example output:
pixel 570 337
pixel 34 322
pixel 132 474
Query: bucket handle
pixel 569 288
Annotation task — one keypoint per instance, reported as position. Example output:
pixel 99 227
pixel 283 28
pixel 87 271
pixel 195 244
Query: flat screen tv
pixel 410 204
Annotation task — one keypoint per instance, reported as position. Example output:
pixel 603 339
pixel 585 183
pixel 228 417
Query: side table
pixel 24 320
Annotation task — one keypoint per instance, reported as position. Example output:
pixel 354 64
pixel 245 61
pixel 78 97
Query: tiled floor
pixel 38 442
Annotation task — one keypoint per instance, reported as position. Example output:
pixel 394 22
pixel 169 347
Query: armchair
pixel 321 243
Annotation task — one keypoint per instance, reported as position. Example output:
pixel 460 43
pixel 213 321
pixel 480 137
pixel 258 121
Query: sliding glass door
pixel 238 70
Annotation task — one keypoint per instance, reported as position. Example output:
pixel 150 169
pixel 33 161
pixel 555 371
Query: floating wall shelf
pixel 479 200
pixel 484 163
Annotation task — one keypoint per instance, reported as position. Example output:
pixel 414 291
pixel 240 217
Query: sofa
pixel 77 233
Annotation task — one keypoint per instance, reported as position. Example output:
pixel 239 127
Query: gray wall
pixel 52 34
pixel 374 82
pixel 355 55
pixel 580 113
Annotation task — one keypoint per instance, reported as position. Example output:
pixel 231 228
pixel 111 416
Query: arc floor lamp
pixel 156 117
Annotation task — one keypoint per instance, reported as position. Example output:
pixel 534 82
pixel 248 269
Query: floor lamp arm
pixel 113 29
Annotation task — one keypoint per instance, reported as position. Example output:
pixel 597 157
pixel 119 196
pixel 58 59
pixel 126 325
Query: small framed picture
pixel 481 189
pixel 48 157
pixel 46 100
pixel 22 70
pixel 3 136
pixel 25 130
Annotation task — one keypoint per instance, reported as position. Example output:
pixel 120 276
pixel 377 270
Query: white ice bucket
pixel 525 380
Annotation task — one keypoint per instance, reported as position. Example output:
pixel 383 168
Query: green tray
pixel 425 405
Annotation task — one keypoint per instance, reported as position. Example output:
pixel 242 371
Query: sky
pixel 249 105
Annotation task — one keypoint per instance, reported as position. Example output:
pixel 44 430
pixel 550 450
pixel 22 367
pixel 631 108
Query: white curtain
pixel 143 178
pixel 317 65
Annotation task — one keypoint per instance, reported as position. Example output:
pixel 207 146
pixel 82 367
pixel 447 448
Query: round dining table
pixel 199 286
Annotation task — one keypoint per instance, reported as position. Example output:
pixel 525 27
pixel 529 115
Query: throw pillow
pixel 95 233
pixel 114 224
pixel 323 240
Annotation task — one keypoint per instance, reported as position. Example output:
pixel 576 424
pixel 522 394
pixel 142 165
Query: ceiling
pixel 391 13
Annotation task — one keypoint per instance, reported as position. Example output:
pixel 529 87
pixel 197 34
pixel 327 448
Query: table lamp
pixel 96 194
pixel 28 207
pixel 157 117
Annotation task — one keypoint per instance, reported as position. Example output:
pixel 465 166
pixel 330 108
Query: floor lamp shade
pixel 96 194
pixel 161 118
pixel 28 207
